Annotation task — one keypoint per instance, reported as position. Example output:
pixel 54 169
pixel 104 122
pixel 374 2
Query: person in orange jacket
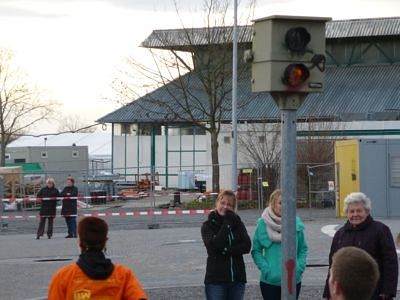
pixel 94 276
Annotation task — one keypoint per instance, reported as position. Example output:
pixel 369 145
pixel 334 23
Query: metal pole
pixel 154 224
pixel 180 148
pixel 3 225
pixel 125 152
pixel 262 189
pixel 288 184
pixel 234 100
pixel 259 190
pixel 309 191
pixel 337 189
pixel 166 156
pixel 112 148
pixel 153 157
pixel 138 156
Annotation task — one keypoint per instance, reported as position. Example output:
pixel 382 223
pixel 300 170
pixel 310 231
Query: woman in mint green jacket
pixel 266 250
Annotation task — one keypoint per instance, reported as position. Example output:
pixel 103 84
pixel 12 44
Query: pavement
pixel 169 262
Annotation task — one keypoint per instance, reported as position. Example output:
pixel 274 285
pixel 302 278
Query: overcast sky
pixel 73 48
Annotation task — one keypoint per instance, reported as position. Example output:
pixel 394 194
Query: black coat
pixel 69 205
pixel 48 207
pixel 375 238
pixel 226 240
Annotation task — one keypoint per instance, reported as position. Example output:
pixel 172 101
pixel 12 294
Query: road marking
pixel 329 230
pixel 120 214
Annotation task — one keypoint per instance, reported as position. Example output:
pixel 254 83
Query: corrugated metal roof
pixel 361 90
pixel 177 38
pixel 363 28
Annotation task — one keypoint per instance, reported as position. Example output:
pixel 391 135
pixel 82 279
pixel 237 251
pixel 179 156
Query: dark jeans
pixel 42 224
pixel 71 224
pixel 273 292
pixel 225 291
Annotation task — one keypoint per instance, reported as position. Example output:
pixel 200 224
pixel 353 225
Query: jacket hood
pixel 95 265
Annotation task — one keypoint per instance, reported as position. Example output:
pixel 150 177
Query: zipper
pixel 230 238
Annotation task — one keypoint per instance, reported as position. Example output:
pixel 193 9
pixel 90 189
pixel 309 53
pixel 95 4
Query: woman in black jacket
pixel 69 207
pixel 226 240
pixel 47 208
pixel 362 231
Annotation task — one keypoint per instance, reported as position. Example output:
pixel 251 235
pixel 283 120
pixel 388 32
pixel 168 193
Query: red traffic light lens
pixel 295 75
pixel 297 39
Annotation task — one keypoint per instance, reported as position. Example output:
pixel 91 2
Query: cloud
pixel 12 11
pixel 23 8
pixel 153 5
pixel 150 5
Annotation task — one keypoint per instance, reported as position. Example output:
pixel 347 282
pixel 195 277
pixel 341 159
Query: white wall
pixel 203 142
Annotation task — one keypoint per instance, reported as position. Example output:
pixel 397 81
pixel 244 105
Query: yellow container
pixel 347 160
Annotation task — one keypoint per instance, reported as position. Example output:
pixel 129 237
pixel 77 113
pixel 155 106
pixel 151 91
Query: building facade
pixel 361 98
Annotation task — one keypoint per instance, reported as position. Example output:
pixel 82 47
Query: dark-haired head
pixel 92 233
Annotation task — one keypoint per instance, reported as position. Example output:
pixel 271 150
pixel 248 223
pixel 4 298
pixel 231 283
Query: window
pixel 43 154
pixel 261 139
pixel 19 160
pixel 75 154
pixel 186 130
pixel 395 171
pixel 8 156
pixel 125 128
pixel 227 139
pixel 147 129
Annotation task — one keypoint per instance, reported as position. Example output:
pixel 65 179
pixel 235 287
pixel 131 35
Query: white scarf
pixel 273 224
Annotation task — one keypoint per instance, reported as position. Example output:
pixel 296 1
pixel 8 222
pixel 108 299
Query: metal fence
pixel 165 187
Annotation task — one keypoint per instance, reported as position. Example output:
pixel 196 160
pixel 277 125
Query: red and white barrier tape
pixel 33 199
pixel 125 214
pixel 134 195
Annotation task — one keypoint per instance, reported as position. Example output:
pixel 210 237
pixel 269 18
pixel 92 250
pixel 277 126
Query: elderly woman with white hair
pixel 362 231
pixel 47 207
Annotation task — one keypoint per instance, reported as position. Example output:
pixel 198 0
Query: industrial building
pixel 361 99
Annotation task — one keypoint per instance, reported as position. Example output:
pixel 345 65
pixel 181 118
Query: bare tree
pixel 260 143
pixel 316 147
pixel 194 67
pixel 74 123
pixel 21 104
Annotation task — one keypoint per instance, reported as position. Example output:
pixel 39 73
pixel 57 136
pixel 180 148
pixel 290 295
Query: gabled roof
pixel 182 38
pixel 360 92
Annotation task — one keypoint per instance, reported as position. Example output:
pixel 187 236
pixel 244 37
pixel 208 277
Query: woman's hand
pixel 231 218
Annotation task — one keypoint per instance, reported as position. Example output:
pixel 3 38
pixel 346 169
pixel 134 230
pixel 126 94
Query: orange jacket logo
pixel 82 294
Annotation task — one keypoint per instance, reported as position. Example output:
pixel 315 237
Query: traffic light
pixel 288 54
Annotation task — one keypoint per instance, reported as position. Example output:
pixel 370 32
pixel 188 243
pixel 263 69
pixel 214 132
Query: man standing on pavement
pixel 362 231
pixel 69 206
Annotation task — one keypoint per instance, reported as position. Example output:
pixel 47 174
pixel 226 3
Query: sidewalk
pixel 169 262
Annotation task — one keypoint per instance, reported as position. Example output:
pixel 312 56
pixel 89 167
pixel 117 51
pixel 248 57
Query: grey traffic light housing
pixel 288 54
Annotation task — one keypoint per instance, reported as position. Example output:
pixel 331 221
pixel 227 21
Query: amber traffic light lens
pixel 297 39
pixel 295 75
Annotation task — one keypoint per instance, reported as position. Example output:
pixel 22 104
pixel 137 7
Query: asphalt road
pixel 169 262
